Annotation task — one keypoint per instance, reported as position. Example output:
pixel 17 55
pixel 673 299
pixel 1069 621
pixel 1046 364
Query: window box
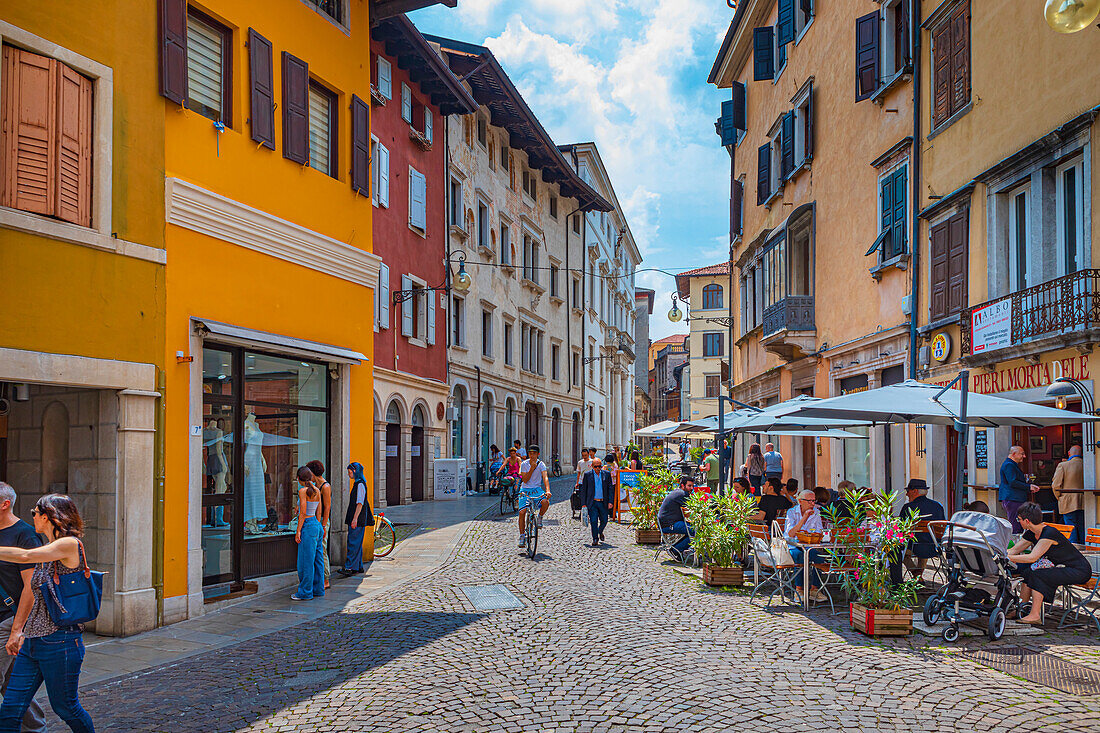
pixel 420 139
pixel 376 97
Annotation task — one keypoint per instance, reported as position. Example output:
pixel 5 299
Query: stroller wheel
pixel 997 621
pixel 932 608
pixel 950 634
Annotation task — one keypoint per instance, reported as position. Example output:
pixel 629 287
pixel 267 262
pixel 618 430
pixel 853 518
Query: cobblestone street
pixel 608 641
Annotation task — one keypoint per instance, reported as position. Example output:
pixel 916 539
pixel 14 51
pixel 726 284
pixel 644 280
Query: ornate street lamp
pixel 1064 387
pixel 675 314
pixel 1070 16
pixel 460 283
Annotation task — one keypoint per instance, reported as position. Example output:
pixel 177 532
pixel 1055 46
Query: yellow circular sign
pixel 941 347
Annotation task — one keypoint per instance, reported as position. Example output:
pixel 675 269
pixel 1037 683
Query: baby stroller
pixel 974 549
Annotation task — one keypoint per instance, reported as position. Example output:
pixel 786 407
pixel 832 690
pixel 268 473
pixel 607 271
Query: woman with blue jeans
pixel 311 554
pixel 46 652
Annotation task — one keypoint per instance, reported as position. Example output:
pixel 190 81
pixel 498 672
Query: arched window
pixel 712 297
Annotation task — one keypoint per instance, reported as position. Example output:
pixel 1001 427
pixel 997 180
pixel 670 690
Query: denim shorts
pixel 525 495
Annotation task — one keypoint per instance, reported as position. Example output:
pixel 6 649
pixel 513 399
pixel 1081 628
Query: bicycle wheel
pixel 385 538
pixel 532 535
pixel 503 499
pixel 513 497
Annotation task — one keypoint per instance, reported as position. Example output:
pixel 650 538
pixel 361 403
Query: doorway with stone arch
pixel 393 454
pixel 419 422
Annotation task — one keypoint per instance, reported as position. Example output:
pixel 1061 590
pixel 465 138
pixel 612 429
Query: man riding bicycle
pixel 534 482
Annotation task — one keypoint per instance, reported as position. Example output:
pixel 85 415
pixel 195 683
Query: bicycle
pixel 508 497
pixel 531 530
pixel 555 466
pixel 385 537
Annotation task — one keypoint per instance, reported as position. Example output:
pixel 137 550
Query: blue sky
pixel 632 77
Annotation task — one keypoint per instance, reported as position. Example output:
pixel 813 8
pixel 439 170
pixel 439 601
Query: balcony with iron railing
pixel 789 326
pixel 1064 309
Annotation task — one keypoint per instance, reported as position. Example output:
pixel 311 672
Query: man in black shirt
pixel 14 532
pixel 771 504
pixel 671 517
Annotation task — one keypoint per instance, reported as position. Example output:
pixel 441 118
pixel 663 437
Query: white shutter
pixel 406 103
pixel 385 75
pixel 428 124
pixel 431 296
pixel 384 295
pixel 374 168
pixel 418 189
pixel 408 308
pixel 383 175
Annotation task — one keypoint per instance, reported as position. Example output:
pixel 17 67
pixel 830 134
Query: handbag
pixel 73 598
pixel 781 550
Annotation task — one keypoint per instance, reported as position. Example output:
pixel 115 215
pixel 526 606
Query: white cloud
pixel 643 211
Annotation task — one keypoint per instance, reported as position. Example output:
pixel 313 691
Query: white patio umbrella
pixel 659 430
pixel 777 417
pixel 928 404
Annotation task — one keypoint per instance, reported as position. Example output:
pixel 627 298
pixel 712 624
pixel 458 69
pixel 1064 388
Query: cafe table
pixel 806 547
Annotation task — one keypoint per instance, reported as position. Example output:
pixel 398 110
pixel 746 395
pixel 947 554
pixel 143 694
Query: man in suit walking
pixel 598 495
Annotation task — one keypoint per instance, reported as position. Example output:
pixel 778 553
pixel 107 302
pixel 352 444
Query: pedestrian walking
pixel 15 579
pixel 318 470
pixel 311 573
pixel 598 495
pixel 773 462
pixel 710 464
pixel 584 465
pixel 358 517
pixel 1014 490
pixel 46 652
pixel 756 466
pixel 1070 474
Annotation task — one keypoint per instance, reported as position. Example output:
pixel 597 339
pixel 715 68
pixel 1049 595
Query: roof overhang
pixel 382 9
pixel 250 338
pixel 425 67
pixel 491 87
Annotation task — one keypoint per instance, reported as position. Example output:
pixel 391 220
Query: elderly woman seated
pixel 805 517
pixel 1053 560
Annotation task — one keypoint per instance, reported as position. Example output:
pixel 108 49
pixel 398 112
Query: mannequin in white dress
pixel 255 498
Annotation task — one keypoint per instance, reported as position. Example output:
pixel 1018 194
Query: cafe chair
pixel 769 574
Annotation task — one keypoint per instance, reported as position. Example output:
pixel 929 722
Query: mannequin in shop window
pixel 255 467
pixel 217 467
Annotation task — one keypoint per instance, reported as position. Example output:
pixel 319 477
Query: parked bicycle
pixel 385 537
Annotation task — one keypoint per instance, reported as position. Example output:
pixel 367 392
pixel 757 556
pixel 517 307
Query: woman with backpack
pixel 46 651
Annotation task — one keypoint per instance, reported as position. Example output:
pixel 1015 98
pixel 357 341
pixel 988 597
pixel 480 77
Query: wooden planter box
pixel 647 536
pixel 878 622
pixel 716 575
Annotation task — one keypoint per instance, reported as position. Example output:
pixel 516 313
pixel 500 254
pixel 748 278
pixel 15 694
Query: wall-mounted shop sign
pixel 941 347
pixel 991 327
pixel 1030 376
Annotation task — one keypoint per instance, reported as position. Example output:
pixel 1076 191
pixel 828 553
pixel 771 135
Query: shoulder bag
pixel 73 598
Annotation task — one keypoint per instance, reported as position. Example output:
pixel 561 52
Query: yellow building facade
pixel 706 289
pixel 270 279
pixel 819 128
pixel 1008 228
pixel 82 250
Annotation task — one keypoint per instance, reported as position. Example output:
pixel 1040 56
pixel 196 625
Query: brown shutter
pixel 737 203
pixel 263 89
pixel 867 61
pixel 295 109
pixel 960 58
pixel 74 137
pixel 937 297
pixel 360 146
pixel 809 145
pixel 941 74
pixel 173 49
pixel 957 236
pixel 29 130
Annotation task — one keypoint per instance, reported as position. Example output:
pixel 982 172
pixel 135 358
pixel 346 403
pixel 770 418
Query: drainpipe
pixel 914 28
pixel 158 500
pixel 477 423
pixel 447 268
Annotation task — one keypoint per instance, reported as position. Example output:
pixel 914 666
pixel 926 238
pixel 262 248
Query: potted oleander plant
pixel 866 536
pixel 721 536
pixel 646 503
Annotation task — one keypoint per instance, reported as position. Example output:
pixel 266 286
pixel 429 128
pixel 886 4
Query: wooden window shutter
pixel 867 62
pixel 383 175
pixel 786 166
pixel 263 89
pixel 408 309
pixel 429 130
pixel 809 131
pixel 939 275
pixel 360 146
pixel 430 300
pixel 74 139
pixel 763 173
pixel 901 36
pixel 29 132
pixel 941 74
pixel 726 128
pixel 763 53
pixel 897 236
pixel 737 202
pixel 886 215
pixel 960 58
pixel 418 215
pixel 173 49
pixel 295 109
pixel 957 236
pixel 740 107
pixel 384 295
pixel 385 78
pixel 784 26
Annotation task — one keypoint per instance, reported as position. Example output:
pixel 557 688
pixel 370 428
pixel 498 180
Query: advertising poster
pixel 991 327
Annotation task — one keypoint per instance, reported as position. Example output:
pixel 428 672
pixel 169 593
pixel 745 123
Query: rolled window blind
pixel 204 67
pixel 319 111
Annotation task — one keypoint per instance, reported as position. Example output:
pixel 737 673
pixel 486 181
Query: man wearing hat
pixel 923 547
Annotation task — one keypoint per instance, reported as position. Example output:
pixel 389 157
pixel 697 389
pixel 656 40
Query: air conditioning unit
pixel 452 413
pixel 907 305
pixel 924 356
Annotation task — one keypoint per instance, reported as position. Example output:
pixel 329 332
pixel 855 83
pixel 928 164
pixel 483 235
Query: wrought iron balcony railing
pixel 1067 303
pixel 794 313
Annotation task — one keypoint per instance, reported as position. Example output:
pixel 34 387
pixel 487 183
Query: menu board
pixel 981 449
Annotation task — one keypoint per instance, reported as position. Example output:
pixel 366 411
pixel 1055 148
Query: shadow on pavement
pixel 239 685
